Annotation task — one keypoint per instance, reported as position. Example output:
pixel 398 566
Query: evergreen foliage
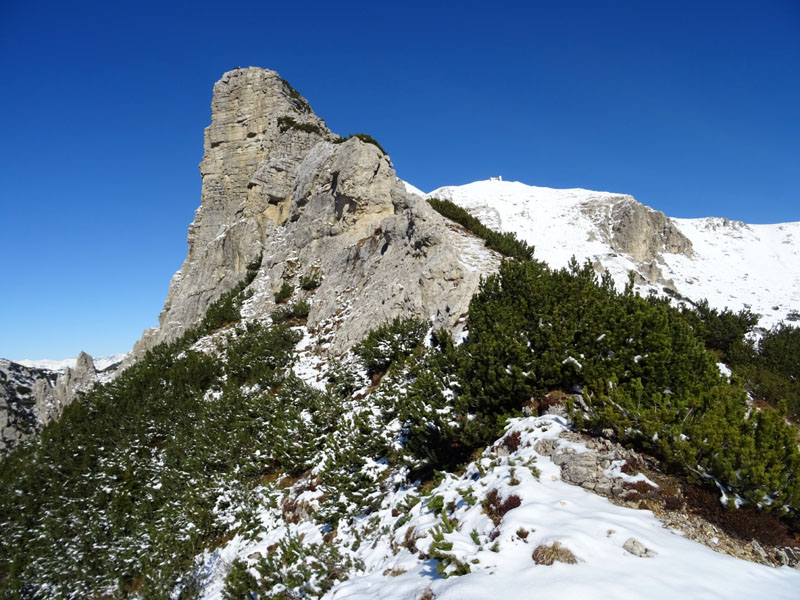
pixel 364 137
pixel 769 369
pixel 297 311
pixel 300 571
pixel 506 244
pixel 310 282
pixel 284 293
pixel 124 489
pixel 390 342
pixel 774 372
pixel 638 364
pixel 285 123
pixel 183 449
pixel 635 365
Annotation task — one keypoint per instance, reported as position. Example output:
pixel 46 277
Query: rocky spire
pixel 275 185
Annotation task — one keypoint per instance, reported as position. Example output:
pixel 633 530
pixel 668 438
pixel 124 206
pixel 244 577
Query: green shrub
pixel 506 244
pixel 286 123
pixel 281 314
pixel 226 310
pixel 640 365
pixel 284 293
pixel 391 342
pixel 299 310
pixel 239 583
pixel 310 282
pixel 364 137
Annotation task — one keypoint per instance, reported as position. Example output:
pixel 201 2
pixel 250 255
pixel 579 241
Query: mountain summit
pixel 283 194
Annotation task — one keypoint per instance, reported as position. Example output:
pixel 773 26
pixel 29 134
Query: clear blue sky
pixel 690 106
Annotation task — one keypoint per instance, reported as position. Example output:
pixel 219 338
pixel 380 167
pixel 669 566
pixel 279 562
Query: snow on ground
pixel 411 189
pixel 61 365
pixel 740 266
pixel 592 528
pixel 395 544
pixel 734 265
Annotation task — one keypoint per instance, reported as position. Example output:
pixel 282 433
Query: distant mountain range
pixel 100 364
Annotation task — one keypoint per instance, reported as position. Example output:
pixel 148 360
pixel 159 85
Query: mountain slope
pixel 730 263
pixel 324 409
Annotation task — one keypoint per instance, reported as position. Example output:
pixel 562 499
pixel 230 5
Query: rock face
pixel 260 131
pixel 644 233
pixel 275 185
pixel 18 415
pixel 30 398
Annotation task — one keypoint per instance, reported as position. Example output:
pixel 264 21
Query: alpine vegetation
pixel 355 393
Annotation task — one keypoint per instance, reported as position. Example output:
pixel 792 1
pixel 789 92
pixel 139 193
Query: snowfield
pixel 734 265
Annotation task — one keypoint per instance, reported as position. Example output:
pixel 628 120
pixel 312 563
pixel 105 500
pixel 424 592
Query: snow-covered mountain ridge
pixel 729 263
pixel 100 363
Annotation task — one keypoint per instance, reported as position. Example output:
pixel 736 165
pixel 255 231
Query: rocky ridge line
pixel 30 397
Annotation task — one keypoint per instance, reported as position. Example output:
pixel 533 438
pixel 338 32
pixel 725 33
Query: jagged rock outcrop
pixel 260 131
pixel 18 415
pixel 51 400
pixel 352 223
pixel 644 233
pixel 636 230
pixel 275 185
pixel 31 397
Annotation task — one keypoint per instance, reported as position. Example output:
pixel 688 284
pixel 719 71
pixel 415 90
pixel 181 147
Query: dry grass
pixel 427 594
pixel 547 555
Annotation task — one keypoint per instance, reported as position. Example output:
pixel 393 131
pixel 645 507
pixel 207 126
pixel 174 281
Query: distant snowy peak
pixel 61 365
pixel 730 263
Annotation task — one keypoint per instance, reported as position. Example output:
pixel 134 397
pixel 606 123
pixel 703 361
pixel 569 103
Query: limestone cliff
pixel 30 397
pixel 278 184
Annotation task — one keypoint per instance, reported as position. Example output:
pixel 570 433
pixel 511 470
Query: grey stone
pixel 636 548
pixel 781 556
pixel 305 203
pixel 546 447
pixel 603 487
pixel 30 398
pixel 642 233
pixel 760 552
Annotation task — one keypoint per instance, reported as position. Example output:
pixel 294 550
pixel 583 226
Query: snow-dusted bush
pixel 391 342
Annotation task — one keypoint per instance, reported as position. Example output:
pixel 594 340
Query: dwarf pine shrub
pixel 310 282
pixel 390 343
pixel 364 137
pixel 140 465
pixel 506 244
pixel 285 123
pixel 284 293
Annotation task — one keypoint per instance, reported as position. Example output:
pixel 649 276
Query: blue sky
pixel 690 106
